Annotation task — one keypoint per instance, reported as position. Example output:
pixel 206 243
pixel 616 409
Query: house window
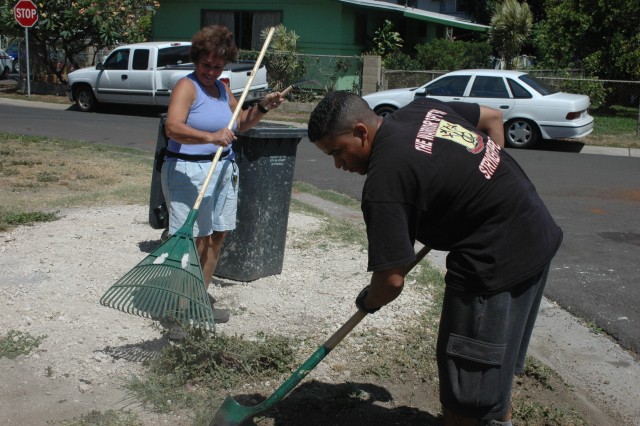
pixel 245 25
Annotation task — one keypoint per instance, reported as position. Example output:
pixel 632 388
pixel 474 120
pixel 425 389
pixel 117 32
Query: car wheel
pixel 383 111
pixel 521 133
pixel 85 99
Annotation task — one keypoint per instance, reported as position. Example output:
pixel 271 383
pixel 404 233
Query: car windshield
pixel 537 85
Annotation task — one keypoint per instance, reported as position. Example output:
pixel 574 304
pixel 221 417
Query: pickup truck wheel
pixel 85 100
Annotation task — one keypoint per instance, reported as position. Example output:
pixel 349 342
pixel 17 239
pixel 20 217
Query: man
pixel 437 173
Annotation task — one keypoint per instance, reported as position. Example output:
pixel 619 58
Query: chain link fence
pixel 397 79
pixel 324 73
pixel 318 74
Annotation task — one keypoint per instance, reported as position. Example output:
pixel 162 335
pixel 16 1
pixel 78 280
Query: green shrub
pixel 443 54
pixel 594 89
pixel 401 61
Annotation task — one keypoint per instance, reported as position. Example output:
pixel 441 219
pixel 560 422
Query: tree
pixel 600 36
pixel 483 10
pixel 386 41
pixel 66 28
pixel 281 60
pixel 510 27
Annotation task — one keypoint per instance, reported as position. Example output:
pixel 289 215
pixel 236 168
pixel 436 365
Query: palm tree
pixel 510 27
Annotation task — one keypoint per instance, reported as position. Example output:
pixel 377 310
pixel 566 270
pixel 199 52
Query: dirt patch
pixel 52 276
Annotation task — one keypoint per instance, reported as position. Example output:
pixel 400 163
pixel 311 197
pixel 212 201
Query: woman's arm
pixel 182 97
pixel 251 116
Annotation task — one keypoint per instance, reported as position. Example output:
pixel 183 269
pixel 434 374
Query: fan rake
pixel 169 283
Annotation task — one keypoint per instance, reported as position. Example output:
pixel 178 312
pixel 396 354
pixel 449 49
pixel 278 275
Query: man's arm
pixel 385 286
pixel 490 122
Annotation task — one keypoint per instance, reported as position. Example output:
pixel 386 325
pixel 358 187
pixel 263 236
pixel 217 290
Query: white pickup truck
pixel 145 74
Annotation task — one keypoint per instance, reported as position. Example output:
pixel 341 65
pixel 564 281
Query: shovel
pixel 231 413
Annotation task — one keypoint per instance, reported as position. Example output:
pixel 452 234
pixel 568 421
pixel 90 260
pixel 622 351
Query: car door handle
pixel 124 76
pixel 504 107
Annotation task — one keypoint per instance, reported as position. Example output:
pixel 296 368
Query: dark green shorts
pixel 482 344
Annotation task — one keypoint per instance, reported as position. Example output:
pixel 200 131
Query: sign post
pixel 26 13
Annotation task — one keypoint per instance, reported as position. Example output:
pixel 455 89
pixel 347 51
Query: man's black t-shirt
pixel 434 178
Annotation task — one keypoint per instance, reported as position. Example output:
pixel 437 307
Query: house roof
pixel 438 18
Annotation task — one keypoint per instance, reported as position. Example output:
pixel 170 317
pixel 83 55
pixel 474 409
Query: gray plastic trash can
pixel 266 157
pixel 158 215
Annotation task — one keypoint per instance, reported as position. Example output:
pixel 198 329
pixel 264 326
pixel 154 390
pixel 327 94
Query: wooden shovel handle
pixel 337 337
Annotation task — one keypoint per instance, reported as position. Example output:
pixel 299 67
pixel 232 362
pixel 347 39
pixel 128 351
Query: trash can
pixel 266 156
pixel 158 214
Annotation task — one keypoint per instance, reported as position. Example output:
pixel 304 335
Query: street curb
pixel 604 376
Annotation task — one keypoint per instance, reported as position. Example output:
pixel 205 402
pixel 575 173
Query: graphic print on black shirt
pixel 436 126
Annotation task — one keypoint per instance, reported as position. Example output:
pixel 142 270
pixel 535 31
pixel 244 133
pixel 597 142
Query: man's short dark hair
pixel 338 112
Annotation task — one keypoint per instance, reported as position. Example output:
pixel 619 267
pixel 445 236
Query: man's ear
pixel 361 132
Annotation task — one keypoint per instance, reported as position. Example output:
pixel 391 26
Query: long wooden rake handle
pixel 236 112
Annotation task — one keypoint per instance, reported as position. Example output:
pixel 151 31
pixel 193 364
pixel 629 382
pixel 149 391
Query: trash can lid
pixel 275 130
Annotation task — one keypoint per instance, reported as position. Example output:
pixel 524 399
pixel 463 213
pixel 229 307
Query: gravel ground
pixel 53 274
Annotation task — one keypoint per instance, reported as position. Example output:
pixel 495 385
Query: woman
pixel 199 113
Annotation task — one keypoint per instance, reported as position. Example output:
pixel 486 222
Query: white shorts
pixel 181 184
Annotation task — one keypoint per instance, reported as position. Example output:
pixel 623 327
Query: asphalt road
pixel 594 198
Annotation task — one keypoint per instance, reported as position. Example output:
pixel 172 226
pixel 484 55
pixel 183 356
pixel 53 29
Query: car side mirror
pixel 99 66
pixel 421 93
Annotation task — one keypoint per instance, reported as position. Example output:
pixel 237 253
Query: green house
pixel 324 27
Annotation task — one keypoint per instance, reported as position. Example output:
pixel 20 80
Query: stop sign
pixel 26 13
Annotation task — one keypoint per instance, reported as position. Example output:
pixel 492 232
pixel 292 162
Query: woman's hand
pixel 272 100
pixel 223 137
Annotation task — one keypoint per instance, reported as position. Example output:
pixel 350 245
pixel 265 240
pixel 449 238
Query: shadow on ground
pixel 355 404
pixel 556 145
pixel 125 109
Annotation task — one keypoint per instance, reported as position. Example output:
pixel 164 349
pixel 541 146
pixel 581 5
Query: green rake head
pixel 168 283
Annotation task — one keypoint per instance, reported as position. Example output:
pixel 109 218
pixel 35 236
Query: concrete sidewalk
pixel 605 376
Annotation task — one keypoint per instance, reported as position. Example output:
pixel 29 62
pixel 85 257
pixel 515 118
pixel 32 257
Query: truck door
pixel 141 78
pixel 113 80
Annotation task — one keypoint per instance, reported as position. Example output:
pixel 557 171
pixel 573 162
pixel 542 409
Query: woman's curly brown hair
pixel 216 40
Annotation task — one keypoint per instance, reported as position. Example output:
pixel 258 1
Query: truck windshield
pixel 175 55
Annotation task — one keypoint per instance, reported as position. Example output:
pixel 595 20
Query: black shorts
pixel 482 344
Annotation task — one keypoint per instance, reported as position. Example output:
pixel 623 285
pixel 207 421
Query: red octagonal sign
pixel 26 13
